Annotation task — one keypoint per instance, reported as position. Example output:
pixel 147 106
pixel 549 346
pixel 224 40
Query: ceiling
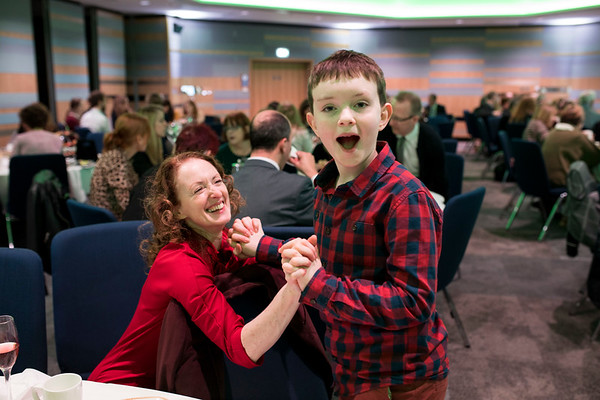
pixel 352 14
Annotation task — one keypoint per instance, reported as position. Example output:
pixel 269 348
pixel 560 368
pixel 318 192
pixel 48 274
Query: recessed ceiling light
pixel 352 25
pixel 282 52
pixel 188 14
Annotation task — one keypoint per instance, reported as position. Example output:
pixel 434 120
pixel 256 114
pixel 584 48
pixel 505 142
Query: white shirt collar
pixel 265 159
pixel 561 126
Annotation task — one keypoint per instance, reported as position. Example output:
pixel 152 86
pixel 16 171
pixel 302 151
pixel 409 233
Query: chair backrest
pixel 530 168
pixel 471 122
pixel 98 139
pixel 23 169
pixel 288 232
pixel 450 145
pixel 515 129
pixel 22 295
pixel 445 128
pixel 455 166
pixel 97 278
pixel 85 214
pixel 460 215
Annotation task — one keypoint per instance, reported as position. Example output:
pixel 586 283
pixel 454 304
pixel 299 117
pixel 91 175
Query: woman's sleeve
pixel 189 281
pixel 119 183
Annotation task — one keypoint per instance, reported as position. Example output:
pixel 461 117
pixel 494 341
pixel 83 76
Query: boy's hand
pixel 300 260
pixel 305 163
pixel 244 236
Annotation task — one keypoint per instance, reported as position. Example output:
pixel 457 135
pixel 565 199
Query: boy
pixel 372 272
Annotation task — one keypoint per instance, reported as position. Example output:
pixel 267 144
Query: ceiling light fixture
pixel 282 52
pixel 188 14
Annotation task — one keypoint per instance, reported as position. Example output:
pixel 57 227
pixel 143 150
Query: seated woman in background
pixel 114 176
pixel 300 137
pixel 190 203
pixel 540 124
pixel 158 147
pixel 74 113
pixel 236 132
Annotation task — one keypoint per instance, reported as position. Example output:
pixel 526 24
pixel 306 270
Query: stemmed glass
pixel 9 348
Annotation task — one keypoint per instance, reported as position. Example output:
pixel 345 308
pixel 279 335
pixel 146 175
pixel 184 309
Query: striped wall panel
pixel 18 81
pixel 69 54
pixel 111 54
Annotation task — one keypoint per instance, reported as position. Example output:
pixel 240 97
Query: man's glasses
pixel 398 119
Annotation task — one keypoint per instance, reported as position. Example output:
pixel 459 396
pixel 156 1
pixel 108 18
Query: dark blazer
pixel 432 160
pixel 277 198
pixel 441 110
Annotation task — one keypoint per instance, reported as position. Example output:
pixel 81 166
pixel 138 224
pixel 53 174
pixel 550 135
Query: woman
pixel 190 112
pixel 540 124
pixel 190 203
pixel 114 176
pixel 158 148
pixel 236 129
pixel 301 139
pixel 74 113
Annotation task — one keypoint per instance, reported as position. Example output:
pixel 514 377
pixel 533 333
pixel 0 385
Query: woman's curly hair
pixel 161 204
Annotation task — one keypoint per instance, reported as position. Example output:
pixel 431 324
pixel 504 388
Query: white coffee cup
pixel 59 387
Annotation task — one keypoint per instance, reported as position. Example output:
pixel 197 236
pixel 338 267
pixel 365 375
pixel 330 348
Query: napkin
pixel 22 383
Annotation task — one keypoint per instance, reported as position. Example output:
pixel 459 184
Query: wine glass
pixel 9 348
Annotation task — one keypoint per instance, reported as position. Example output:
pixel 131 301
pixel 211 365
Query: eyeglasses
pixel 398 119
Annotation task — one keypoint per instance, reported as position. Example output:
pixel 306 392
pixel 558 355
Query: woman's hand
pixel 300 260
pixel 244 236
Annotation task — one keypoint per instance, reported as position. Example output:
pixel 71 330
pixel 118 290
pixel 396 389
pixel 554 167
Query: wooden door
pixel 277 80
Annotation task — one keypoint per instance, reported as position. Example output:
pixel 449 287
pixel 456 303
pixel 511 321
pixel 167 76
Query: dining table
pixel 79 175
pixel 22 383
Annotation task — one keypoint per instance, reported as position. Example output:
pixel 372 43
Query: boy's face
pixel 347 118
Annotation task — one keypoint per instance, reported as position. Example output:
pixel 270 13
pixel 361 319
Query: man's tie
pixel 400 148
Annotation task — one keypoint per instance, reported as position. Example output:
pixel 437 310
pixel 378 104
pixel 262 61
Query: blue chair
pixel 455 166
pixel 85 214
pixel 460 215
pixel 515 130
pixel 450 145
pixel 532 179
pixel 22 170
pixel 507 154
pixel 22 295
pixel 97 277
pixel 98 139
pixel 289 232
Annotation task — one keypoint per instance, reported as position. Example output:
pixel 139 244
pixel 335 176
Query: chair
pixel 532 179
pixel 450 145
pixel 455 165
pixel 22 295
pixel 471 123
pixel 85 214
pixel 445 128
pixel 507 153
pixel 490 146
pixel 460 215
pixel 97 278
pixel 22 170
pixel 98 139
pixel 514 130
pixel 289 232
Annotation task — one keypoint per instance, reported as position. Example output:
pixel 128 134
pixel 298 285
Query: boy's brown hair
pixel 346 64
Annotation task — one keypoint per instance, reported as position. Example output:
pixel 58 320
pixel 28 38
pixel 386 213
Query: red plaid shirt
pixel 379 238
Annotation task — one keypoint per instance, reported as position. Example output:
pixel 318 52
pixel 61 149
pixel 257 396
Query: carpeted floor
pixel 513 296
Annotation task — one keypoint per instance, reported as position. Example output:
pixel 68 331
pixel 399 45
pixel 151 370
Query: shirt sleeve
pixel 407 297
pixel 188 279
pixel 117 180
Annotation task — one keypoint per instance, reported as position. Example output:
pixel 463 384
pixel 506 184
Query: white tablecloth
pixel 79 180
pixel 21 387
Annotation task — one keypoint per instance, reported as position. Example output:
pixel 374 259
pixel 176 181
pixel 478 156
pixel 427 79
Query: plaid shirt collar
pixel 361 185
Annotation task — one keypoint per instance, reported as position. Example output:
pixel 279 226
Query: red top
pixel 182 273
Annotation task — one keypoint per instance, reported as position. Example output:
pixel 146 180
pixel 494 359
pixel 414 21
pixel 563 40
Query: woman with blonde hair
pixel 540 124
pixel 114 176
pixel 158 148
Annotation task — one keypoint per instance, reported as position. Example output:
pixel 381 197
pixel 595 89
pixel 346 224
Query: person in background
pixel 522 111
pixel 191 201
pixel 301 139
pixel 237 148
pixel 193 137
pixel 35 138
pixel 371 270
pixel 586 100
pixel 94 118
pixel 190 112
pixel 273 105
pixel 168 109
pixel 541 122
pixel 120 106
pixel 415 144
pixel 74 113
pixel 276 197
pixel 433 109
pixel 156 99
pixel 114 176
pixel 565 144
pixel 158 147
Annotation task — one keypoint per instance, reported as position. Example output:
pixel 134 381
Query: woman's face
pixel 203 197
pixel 160 125
pixel 235 134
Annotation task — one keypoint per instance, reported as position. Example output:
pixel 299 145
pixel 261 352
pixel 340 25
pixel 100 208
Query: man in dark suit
pixel 433 109
pixel 416 145
pixel 276 197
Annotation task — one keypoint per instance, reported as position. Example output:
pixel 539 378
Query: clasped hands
pixel 299 257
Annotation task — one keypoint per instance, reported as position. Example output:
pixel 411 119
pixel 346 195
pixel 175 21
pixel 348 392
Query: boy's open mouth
pixel 348 142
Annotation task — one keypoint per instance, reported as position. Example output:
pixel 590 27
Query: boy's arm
pixel 407 297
